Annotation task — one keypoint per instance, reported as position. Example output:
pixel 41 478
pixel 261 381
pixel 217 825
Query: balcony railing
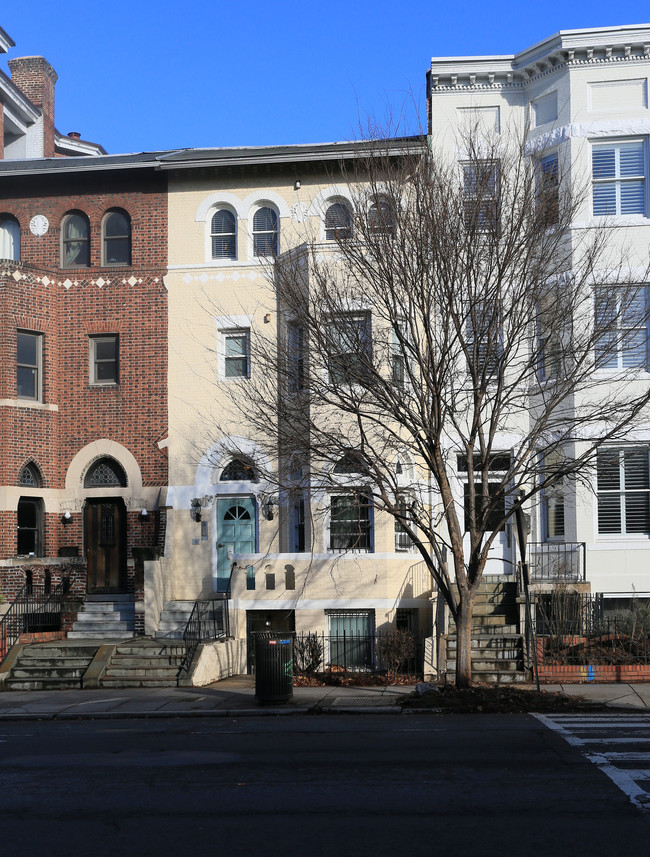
pixel 557 562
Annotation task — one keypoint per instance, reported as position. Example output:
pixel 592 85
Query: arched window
pixel 265 232
pixel 223 235
pixel 380 217
pixel 30 476
pixel 238 470
pixel 9 238
pixel 75 238
pixel 338 222
pixel 351 462
pixel 105 473
pixel 116 234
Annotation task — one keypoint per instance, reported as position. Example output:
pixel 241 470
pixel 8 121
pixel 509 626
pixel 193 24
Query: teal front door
pixel 235 534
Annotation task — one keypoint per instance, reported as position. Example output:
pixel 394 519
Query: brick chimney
pixel 35 78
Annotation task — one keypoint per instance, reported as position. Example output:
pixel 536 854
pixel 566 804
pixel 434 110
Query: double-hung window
pixel 296 357
pixel 104 359
pixel 481 195
pixel 623 491
pixel 350 351
pixel 236 344
pixel 548 189
pixel 29 363
pixel 484 338
pixel 619 180
pixel 621 319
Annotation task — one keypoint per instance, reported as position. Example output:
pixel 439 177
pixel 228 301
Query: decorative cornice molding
pixel 481 75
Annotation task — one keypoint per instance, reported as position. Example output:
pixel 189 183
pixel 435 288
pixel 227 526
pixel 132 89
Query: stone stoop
pixel 173 619
pixel 104 620
pixel 497 645
pixel 143 663
pixel 51 666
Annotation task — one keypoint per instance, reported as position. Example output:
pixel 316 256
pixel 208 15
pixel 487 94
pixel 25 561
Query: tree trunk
pixel 464 642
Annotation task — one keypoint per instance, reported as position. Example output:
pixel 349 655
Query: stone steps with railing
pixel 173 619
pixel 497 646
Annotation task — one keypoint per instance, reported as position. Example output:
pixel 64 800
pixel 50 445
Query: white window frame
pixel 624 490
pixel 222 259
pixel 253 232
pixel 617 181
pixel 623 346
pixel 94 340
pixel 224 335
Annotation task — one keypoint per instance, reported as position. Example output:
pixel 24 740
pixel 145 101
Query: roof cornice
pixel 566 49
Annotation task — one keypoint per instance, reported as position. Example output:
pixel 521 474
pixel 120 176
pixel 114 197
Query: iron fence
pixel 36 608
pixel 557 561
pixel 209 620
pixel 393 651
pixel 573 628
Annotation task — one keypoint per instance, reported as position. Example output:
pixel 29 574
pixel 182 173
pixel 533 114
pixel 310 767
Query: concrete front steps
pixel 106 620
pixel 497 645
pixel 143 663
pixel 173 619
pixel 51 666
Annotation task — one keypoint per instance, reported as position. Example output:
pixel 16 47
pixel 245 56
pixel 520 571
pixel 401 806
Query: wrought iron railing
pixel 35 609
pixel 578 628
pixel 561 562
pixel 209 620
pixel 392 651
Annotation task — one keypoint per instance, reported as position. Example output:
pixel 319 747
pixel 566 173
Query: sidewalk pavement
pixel 235 697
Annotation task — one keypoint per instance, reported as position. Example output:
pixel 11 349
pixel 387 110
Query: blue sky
pixel 143 75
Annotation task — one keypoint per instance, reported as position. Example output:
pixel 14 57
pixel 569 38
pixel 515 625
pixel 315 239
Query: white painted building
pixel 581 98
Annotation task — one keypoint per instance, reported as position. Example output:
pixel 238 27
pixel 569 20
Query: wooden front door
pixel 105 540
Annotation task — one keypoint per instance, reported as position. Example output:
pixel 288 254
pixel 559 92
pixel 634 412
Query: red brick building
pixel 83 376
pixel 27 128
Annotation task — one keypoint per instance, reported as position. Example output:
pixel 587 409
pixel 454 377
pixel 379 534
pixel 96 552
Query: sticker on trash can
pixel 272 642
pixel 285 641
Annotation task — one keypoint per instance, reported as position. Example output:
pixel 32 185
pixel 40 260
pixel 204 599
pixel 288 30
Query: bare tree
pixel 453 320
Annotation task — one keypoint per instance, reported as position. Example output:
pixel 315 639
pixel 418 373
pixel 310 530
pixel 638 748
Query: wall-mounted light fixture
pixel 267 508
pixel 66 517
pixel 195 509
pixel 297 185
pixel 144 514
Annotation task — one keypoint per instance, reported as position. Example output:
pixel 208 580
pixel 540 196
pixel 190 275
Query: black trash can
pixel 273 666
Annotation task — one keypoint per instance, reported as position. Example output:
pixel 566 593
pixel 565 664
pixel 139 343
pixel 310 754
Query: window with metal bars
pixel 623 491
pixel 618 175
pixel 351 522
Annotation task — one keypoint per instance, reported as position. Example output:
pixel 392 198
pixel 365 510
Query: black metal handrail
pixel 559 562
pixel 35 608
pixel 209 620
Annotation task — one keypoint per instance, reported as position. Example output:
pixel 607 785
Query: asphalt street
pixel 319 785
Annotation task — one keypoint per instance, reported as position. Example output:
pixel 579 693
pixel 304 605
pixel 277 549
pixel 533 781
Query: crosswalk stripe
pixel 634 782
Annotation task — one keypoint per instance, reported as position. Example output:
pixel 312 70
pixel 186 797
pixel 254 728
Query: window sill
pixel 104 385
pixel 613 220
pixel 28 403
